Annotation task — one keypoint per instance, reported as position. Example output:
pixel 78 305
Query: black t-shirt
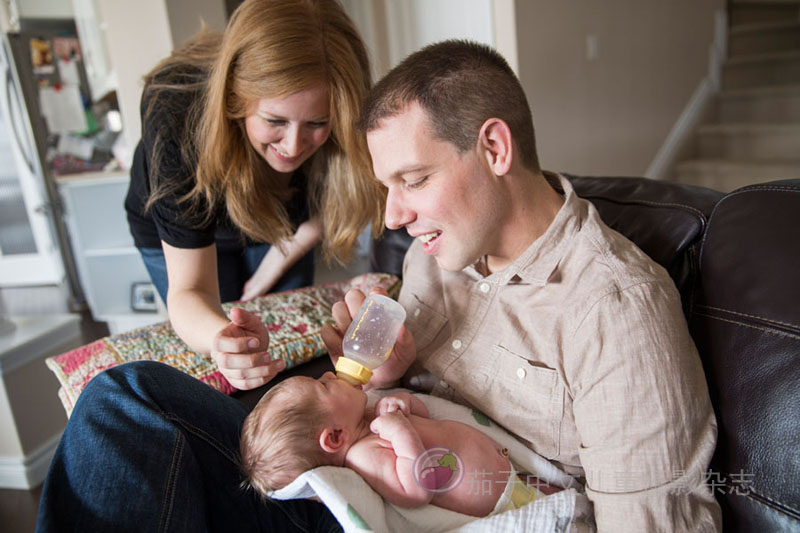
pixel 167 218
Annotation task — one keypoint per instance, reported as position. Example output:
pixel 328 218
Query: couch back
pixel 735 259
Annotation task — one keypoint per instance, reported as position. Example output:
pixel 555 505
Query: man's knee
pixel 134 379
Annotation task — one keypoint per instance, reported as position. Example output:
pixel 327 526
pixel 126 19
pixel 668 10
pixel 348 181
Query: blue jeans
pixel 149 448
pixel 233 271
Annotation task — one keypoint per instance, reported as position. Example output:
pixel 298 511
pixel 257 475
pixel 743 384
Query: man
pixel 524 304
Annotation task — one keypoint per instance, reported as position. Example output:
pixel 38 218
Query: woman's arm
pixel 276 263
pixel 237 345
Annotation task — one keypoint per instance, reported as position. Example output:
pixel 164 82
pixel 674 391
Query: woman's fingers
pixel 237 345
pixel 249 378
pixel 237 360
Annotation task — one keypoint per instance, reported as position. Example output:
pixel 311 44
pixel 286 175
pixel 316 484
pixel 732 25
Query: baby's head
pixel 301 423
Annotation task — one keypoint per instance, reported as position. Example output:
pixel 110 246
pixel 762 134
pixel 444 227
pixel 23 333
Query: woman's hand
pixel 389 373
pixel 277 262
pixel 240 351
pixel 268 273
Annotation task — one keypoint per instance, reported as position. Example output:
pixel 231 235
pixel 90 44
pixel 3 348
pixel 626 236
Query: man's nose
pixel 397 212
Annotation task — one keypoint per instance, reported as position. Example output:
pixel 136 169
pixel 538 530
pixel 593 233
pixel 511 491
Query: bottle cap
pixel 352 371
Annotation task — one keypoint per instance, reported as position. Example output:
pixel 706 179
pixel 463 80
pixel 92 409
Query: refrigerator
pixel 48 127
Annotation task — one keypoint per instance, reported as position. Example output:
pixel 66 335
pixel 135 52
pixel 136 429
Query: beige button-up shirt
pixel 579 347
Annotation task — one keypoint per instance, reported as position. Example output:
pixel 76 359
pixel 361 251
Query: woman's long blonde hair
pixel 271 49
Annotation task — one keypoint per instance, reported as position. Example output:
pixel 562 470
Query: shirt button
pixel 521 373
pixel 416 312
pixel 484 287
pixel 456 344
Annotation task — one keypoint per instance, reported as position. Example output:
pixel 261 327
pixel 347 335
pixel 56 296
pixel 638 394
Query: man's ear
pixel 332 440
pixel 495 143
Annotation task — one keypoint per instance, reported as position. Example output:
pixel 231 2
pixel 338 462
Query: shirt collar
pixel 537 263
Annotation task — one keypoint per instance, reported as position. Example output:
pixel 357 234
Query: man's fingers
pixel 341 315
pixel 354 298
pixel 333 342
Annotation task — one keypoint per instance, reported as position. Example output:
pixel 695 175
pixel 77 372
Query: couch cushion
pixel 665 219
pixel 746 323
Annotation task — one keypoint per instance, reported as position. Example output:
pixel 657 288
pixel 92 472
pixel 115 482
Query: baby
pixel 302 423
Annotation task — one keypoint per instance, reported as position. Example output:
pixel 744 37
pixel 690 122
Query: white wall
pixel 607 80
pixel 44 8
pixel 143 32
pixel 186 17
pixel 393 29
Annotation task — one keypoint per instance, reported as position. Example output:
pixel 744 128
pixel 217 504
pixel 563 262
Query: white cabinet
pixel 92 31
pixel 108 262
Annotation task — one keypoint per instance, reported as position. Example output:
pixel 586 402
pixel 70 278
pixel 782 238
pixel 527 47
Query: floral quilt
pixel 293 318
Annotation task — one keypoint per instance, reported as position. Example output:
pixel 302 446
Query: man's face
pixel 446 199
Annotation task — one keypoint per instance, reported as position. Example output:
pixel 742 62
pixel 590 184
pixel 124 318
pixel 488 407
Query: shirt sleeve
pixel 642 410
pixel 163 130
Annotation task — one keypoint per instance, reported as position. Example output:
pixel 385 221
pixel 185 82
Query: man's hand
pixel 239 350
pixel 389 373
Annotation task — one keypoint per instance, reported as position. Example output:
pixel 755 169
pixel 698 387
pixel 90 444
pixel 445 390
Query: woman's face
pixel 287 131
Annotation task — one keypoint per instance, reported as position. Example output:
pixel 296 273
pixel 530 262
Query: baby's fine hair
pixel 280 443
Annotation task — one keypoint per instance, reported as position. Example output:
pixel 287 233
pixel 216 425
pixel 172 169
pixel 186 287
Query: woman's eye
pixel 275 121
pixel 417 184
pixel 320 124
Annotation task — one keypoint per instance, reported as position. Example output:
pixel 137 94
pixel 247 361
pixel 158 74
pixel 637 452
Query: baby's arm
pixel 404 402
pixel 390 471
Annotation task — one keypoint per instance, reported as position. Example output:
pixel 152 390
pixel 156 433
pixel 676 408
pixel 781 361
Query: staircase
pixel 755 135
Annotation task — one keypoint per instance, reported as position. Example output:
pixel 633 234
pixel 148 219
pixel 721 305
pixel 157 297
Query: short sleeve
pixel 163 130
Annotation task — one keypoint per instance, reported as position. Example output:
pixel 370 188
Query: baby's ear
pixel 332 440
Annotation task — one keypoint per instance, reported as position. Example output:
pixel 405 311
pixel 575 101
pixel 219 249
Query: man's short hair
pixel 460 84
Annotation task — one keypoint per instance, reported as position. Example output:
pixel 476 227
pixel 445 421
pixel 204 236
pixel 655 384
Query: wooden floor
pixel 18 508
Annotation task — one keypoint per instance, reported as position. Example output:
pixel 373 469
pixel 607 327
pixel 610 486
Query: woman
pixel 234 127
pixel 248 139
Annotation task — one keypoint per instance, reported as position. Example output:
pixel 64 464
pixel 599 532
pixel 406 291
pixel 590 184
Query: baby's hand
pixel 389 425
pixel 391 404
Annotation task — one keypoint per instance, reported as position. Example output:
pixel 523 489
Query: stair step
pixel 753 12
pixel 745 142
pixel 778 104
pixel 761 69
pixel 764 38
pixel 726 176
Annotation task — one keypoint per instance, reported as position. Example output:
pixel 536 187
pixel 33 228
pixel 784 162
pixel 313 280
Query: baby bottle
pixel 370 338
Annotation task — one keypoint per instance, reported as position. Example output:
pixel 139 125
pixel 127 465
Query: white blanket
pixel 359 508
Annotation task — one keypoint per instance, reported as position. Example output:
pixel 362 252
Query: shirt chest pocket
pixel 528 398
pixel 424 322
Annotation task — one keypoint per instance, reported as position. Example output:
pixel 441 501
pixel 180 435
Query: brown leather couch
pixel 736 260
